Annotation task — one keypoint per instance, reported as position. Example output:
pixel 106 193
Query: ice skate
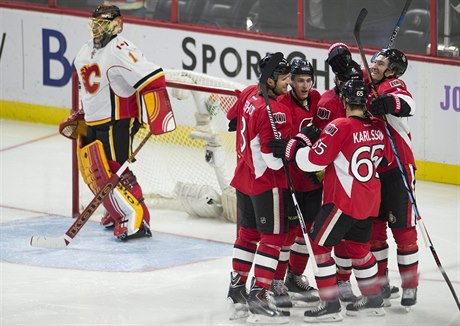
pixel 237 298
pixel 262 307
pixel 367 306
pixel 409 298
pixel 281 295
pixel 121 232
pixel 389 292
pixel 326 311
pixel 107 221
pixel 345 292
pixel 302 294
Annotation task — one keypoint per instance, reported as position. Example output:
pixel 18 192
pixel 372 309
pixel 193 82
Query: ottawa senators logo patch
pixel 396 83
pixel 279 117
pixel 331 129
pixel 323 113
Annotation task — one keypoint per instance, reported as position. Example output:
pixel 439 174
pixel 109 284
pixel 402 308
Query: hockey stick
pixel 268 70
pixel 203 88
pixel 422 228
pixel 399 23
pixel 64 240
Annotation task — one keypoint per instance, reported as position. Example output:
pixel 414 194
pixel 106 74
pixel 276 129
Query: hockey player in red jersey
pixel 331 107
pixel 350 149
pixel 259 180
pixel 113 75
pixel 395 103
pixel 302 101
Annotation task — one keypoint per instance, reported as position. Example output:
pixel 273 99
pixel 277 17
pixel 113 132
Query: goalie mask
pixel 105 23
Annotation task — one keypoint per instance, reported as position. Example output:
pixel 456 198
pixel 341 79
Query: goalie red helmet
pixel 397 60
pixel 105 23
pixel 355 92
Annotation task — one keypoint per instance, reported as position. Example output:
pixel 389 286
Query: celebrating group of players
pixel 335 153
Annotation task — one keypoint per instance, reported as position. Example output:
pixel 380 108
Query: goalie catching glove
pixel 74 126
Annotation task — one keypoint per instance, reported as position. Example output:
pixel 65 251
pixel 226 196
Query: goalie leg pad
pixel 93 165
pixel 125 203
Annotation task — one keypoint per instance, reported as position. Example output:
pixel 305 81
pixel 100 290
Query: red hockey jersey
pixel 257 169
pixel 398 126
pixel 350 149
pixel 330 107
pixel 301 117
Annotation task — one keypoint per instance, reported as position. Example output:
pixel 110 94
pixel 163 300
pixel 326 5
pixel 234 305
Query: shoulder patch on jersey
pixel 331 129
pixel 323 113
pixel 279 117
pixel 396 82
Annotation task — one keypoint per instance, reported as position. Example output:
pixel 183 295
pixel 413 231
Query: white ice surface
pixel 35 181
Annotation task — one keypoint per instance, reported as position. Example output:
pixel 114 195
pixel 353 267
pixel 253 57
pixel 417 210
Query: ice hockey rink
pixel 178 277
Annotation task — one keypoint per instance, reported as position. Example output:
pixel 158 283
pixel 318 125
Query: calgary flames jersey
pixel 111 78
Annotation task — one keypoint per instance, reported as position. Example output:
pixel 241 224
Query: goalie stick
pixel 267 72
pixel 202 88
pixel 357 34
pixel 64 240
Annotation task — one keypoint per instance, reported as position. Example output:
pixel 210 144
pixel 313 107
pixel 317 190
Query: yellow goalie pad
pixel 93 164
pixel 95 170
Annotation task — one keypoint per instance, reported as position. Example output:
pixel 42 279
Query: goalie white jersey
pixel 118 71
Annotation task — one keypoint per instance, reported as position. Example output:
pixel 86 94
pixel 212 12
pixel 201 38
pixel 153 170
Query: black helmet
pixel 355 92
pixel 397 60
pixel 302 67
pixel 353 72
pixel 282 68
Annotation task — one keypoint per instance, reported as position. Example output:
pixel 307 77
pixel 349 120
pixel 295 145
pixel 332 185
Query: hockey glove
pixel 312 133
pixel 339 58
pixel 385 104
pixel 74 126
pixel 232 124
pixel 278 147
pixel 284 148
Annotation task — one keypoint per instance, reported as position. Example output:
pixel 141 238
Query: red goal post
pixel 190 168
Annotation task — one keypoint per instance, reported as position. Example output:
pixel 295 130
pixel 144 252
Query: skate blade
pixel 326 318
pixel 370 312
pixel 261 319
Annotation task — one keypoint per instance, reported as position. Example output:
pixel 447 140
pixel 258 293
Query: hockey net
pixel 190 168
